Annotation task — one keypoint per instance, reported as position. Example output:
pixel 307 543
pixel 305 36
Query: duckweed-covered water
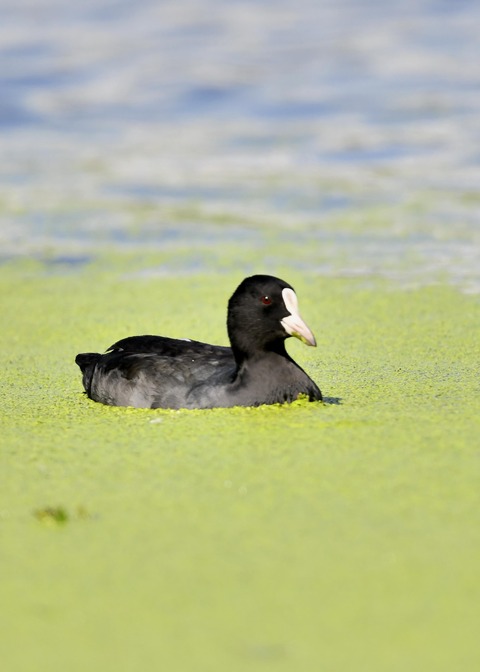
pixel 244 538
pixel 153 154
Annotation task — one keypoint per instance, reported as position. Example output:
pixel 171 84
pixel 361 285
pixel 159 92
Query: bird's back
pixel 153 371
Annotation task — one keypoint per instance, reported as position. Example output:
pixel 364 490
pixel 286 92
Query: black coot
pixel 159 372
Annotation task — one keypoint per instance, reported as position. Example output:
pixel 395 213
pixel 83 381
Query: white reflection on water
pixel 354 124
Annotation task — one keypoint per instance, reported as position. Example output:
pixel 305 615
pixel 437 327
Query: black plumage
pixel 160 372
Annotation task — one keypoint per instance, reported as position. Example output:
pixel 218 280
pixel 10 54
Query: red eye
pixel 266 300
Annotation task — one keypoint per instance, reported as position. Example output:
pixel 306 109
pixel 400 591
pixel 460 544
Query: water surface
pixel 163 126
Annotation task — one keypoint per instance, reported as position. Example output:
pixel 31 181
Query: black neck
pixel 244 354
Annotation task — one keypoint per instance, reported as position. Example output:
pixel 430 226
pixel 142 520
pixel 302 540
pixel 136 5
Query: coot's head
pixel 262 313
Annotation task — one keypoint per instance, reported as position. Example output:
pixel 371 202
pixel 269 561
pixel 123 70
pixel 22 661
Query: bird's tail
pixel 87 362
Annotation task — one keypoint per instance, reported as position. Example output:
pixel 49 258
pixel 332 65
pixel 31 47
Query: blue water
pixel 348 127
